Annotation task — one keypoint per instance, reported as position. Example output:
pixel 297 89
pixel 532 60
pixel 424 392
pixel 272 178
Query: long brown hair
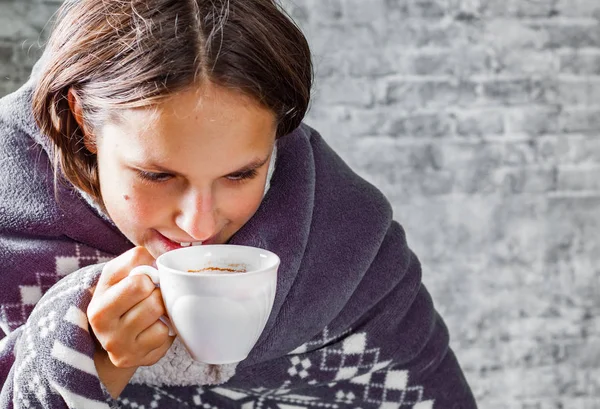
pixel 119 54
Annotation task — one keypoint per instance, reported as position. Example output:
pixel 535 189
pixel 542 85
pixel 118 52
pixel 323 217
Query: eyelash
pixel 163 177
pixel 240 177
pixel 154 177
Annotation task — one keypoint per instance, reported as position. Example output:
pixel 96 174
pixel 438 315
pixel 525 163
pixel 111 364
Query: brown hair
pixel 119 54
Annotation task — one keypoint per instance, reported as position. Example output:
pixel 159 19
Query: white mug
pixel 218 297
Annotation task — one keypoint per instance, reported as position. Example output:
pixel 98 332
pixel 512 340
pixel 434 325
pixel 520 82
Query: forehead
pixel 204 102
pixel 210 125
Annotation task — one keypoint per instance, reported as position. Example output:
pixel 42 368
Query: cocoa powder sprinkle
pixel 228 270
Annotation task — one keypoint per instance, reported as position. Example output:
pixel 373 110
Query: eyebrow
pixel 254 164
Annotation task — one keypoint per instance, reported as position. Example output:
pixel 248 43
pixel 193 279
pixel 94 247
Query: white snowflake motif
pixel 299 367
pixel 344 397
pixel 47 324
pixel 281 398
pixel 23 400
pixel 35 385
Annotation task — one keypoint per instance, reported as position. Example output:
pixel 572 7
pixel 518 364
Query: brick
pixel 571 35
pixel 594 382
pixel 486 179
pixel 563 378
pixel 396 60
pixel 460 62
pixel 507 34
pixel 327 66
pixel 578 8
pixel 386 61
pixel 518 8
pixel 529 180
pixel 448 235
pixel 363 122
pixel 574 179
pixel 436 183
pixel 508 91
pixel 471 155
pixel 579 120
pixel 532 62
pixel 569 149
pixel 334 38
pixel 416 8
pixel 430 94
pixel 479 123
pixel 519 91
pixel 411 184
pixel 519 154
pixel 439 63
pixel 586 62
pixel 579 91
pixel 413 169
pixel 479 181
pixel 532 120
pixel 425 33
pixel 584 354
pixel 325 10
pixel 532 9
pixel 572 253
pixel 345 91
pixel 428 125
pixel 385 155
pixel 355 11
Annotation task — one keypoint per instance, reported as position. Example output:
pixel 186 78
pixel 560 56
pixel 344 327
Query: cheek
pixel 242 205
pixel 130 208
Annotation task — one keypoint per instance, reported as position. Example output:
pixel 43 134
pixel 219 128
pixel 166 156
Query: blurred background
pixel 480 120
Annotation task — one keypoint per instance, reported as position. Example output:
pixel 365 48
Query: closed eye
pixel 154 177
pixel 241 176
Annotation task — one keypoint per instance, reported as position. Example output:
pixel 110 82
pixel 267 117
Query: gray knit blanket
pixel 352 325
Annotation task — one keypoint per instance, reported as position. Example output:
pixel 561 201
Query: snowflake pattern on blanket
pixel 70 258
pixel 360 378
pixel 348 374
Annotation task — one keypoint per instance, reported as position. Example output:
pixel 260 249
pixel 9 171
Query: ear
pixel 75 106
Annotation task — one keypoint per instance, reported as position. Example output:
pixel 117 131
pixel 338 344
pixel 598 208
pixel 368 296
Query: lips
pixel 188 244
pixel 173 244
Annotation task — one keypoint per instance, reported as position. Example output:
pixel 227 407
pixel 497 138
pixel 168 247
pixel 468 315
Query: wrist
pixel 114 379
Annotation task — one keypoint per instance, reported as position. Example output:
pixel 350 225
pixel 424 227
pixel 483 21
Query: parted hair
pixel 121 54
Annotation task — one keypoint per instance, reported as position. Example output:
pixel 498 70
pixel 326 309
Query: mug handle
pixel 152 273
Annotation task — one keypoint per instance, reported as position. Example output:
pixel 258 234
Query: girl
pixel 152 125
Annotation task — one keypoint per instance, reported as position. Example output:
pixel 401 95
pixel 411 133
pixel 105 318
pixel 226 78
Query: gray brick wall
pixel 479 119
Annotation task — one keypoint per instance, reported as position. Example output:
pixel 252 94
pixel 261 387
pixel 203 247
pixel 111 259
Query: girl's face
pixel 190 169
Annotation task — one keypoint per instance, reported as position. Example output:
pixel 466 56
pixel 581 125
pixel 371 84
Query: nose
pixel 196 216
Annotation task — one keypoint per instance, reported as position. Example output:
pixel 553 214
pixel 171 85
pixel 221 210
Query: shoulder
pixel 339 182
pixel 343 202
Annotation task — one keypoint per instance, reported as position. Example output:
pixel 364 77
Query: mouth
pixel 189 243
pixel 173 244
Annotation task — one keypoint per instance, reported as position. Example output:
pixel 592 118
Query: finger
pixel 153 337
pixel 119 268
pixel 145 313
pixel 106 310
pixel 141 354
pixel 155 355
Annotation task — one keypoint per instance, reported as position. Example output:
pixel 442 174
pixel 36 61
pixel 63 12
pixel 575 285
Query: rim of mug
pixel 172 270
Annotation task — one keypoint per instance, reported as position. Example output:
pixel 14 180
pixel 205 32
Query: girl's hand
pixel 123 315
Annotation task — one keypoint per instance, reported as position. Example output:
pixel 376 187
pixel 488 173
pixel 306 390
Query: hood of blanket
pixel 34 203
pixel 327 225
